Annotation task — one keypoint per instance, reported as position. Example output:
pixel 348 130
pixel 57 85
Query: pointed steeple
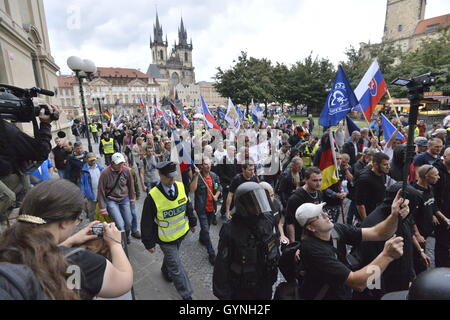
pixel 157 31
pixel 182 34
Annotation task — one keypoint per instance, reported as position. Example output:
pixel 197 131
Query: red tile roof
pixel 120 72
pixel 441 22
pixel 66 82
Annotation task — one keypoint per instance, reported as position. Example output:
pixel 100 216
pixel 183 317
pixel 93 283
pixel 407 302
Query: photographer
pixel 18 151
pixel 42 240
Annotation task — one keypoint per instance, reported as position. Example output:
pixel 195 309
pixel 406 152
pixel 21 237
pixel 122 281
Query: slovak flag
pixel 185 120
pixel 210 121
pixel 370 90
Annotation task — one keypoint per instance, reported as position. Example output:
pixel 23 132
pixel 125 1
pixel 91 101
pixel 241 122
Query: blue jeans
pixel 62 173
pixel 121 213
pixel 205 220
pixel 134 223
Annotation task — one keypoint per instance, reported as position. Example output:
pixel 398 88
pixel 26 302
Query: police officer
pixel 107 147
pixel 247 258
pixel 167 217
pixel 94 130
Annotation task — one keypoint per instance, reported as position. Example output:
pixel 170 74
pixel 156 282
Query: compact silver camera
pixel 97 229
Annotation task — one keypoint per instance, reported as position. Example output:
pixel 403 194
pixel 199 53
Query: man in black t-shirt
pixel 309 193
pixel 370 187
pixel 60 155
pixel 323 251
pixel 247 175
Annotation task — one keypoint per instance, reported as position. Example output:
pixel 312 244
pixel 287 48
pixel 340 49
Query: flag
pixel 221 114
pixel 210 121
pixel 185 120
pixel 340 101
pixel 232 116
pixel 158 111
pixel 174 109
pixel 257 112
pixel 113 120
pixel 107 114
pixel 239 112
pixel 351 127
pixel 166 119
pixel 149 118
pixel 388 129
pixel 370 90
pixel 91 112
pixel 328 164
pixel 141 103
pixel 181 152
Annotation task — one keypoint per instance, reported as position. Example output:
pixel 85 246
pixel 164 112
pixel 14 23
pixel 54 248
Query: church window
pixel 161 56
pixel 400 27
pixel 186 57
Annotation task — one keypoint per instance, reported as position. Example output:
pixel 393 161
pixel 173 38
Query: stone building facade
pixel 25 55
pixel 405 26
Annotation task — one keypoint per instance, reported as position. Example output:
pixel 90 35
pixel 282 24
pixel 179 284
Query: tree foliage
pixel 306 82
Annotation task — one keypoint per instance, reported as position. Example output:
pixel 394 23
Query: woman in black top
pixel 48 216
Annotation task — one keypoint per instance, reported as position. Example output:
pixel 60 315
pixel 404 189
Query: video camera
pixel 16 104
pixel 417 84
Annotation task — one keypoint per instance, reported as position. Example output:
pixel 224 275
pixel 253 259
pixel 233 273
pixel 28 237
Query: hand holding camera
pixel 109 232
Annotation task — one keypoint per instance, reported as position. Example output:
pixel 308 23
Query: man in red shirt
pixel 207 189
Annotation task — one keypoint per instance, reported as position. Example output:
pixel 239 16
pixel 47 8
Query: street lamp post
pixel 84 69
pixel 99 99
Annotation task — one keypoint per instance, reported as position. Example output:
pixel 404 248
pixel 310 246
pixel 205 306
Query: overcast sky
pixel 116 33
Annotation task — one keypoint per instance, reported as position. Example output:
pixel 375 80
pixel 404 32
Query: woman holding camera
pixel 42 240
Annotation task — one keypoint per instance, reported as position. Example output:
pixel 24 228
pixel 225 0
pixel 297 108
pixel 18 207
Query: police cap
pixel 167 168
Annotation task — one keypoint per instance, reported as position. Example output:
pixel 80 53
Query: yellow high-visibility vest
pixel 108 146
pixel 171 215
pixel 308 161
pixel 94 128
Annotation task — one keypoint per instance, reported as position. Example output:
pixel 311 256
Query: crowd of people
pixel 269 201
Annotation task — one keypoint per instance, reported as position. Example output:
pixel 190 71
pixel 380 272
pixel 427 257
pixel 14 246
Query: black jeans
pixel 205 219
pixel 225 190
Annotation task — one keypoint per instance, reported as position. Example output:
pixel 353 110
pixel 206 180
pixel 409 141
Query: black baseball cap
pixel 167 168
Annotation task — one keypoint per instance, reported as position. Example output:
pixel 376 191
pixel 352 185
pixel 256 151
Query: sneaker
pixel 214 220
pixel 212 259
pixel 166 275
pixel 136 235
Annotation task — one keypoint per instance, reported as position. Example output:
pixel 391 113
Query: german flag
pixel 327 164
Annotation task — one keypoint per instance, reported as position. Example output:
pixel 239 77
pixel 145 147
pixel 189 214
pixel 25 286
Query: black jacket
pixel 226 171
pixel 349 149
pixel 149 229
pixel 17 147
pixel 201 194
pixel 287 186
pixel 74 167
pixel 241 270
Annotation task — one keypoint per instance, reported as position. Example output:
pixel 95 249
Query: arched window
pixel 161 55
pixel 186 57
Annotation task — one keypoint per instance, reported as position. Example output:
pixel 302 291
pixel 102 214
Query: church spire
pixel 158 31
pixel 182 34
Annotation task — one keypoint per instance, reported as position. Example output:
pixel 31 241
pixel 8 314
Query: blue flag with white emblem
pixel 340 101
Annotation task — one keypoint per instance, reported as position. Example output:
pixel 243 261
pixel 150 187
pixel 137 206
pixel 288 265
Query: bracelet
pixel 119 242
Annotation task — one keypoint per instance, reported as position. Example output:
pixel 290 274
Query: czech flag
pixel 389 129
pixel 185 120
pixel 210 121
pixel 370 90
pixel 328 164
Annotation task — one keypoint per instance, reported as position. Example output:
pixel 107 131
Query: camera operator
pixel 18 151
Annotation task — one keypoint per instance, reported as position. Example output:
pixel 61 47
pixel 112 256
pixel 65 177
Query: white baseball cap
pixel 118 158
pixel 307 211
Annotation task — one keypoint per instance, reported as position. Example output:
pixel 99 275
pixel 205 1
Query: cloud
pixel 116 33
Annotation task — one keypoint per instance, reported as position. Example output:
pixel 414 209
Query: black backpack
pixel 18 282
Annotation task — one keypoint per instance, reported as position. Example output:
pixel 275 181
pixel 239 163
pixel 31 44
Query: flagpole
pixel 395 110
pixel 368 123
